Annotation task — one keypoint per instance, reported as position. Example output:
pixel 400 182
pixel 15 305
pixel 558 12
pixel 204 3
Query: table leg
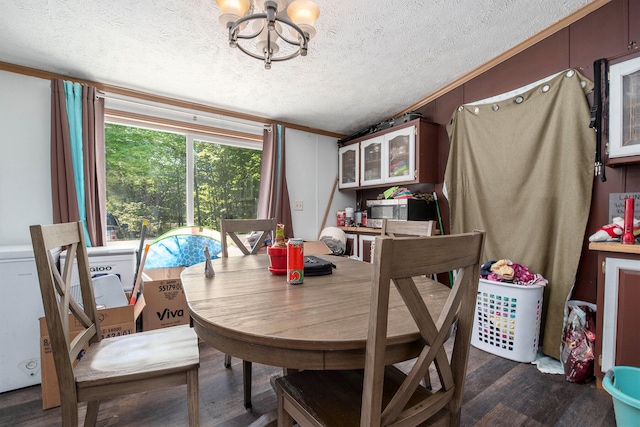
pixel 246 375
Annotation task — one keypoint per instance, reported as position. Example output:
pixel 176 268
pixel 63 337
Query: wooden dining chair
pixel 107 367
pixel 383 395
pixel 407 228
pixel 231 228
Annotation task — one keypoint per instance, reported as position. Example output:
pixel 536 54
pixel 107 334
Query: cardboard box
pixel 316 247
pixel 166 303
pixel 113 322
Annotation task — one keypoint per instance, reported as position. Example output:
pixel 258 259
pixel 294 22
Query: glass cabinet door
pixel 372 154
pixel 400 155
pixel 348 166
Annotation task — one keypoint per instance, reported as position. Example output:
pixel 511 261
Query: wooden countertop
pixel 614 247
pixel 360 229
pixel 372 230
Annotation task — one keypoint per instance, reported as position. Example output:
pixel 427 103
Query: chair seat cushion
pixel 161 352
pixel 335 397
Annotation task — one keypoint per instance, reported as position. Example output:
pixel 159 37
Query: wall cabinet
pixel 618 302
pixel 389 158
pixel 348 166
pixel 404 154
pixel 371 153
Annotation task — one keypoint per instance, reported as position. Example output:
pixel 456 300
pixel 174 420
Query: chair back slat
pixel 394 228
pixel 230 228
pixel 399 260
pixel 445 253
pixel 407 228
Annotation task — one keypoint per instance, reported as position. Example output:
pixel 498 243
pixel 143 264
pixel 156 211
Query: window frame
pixel 192 132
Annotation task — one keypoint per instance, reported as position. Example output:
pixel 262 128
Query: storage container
pixel 118 260
pixel 623 384
pixel 507 319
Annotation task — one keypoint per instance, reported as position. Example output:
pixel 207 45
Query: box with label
pixel 166 303
pixel 120 261
pixel 113 322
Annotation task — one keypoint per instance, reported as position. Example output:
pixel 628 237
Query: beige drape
pixel 94 164
pixel 523 172
pixel 273 200
pixel 63 193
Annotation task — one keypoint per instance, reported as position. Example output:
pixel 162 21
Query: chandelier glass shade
pixel 269 30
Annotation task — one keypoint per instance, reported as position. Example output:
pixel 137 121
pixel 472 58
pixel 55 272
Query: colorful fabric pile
pixel 397 193
pixel 505 270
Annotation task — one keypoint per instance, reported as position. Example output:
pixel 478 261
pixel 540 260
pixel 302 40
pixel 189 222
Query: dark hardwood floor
pixel 498 392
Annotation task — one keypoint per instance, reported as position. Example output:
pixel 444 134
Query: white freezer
pixel 20 309
pixel 118 260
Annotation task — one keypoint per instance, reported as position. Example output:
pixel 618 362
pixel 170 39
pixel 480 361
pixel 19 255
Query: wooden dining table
pixel 247 312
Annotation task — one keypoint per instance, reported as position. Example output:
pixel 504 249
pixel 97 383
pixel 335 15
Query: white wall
pixel 25 177
pixel 312 168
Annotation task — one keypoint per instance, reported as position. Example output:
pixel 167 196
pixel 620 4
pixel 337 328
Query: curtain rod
pixel 168 107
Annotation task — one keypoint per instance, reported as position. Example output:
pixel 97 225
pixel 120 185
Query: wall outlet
pixel 297 205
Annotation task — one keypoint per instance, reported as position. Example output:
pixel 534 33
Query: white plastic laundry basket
pixel 507 319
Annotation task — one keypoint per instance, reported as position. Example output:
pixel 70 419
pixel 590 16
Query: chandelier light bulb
pixel 304 13
pixel 231 10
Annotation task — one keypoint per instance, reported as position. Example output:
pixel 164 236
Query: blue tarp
pixel 183 247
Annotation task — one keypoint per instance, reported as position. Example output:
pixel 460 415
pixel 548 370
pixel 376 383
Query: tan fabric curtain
pixel 65 200
pixel 273 200
pixel 522 170
pixel 94 164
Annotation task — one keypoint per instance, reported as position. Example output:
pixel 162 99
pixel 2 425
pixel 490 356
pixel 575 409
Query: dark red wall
pixel 605 33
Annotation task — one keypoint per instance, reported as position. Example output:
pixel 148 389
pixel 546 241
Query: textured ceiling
pixel 369 60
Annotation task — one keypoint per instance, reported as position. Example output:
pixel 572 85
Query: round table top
pixel 247 312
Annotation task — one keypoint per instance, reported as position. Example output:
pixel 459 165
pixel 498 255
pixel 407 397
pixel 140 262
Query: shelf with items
pixel 403 154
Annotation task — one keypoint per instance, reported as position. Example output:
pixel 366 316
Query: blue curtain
pixel 73 95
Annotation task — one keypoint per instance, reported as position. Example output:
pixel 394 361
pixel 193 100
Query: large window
pixel 149 172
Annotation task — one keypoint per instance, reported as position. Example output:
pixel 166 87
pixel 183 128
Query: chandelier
pixel 260 28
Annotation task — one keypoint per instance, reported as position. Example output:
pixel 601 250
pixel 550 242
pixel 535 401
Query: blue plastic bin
pixel 623 384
